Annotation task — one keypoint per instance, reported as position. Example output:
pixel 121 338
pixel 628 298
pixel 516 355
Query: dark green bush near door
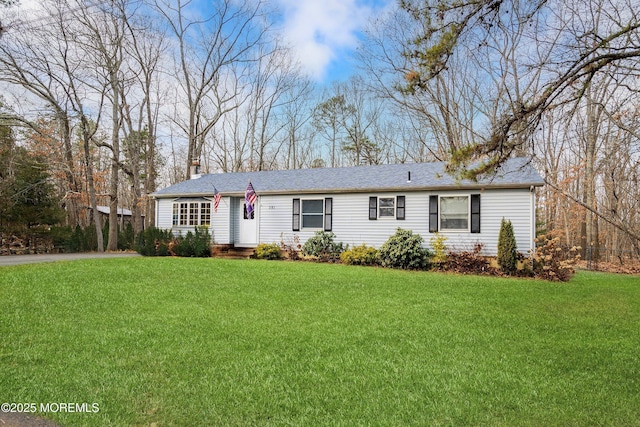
pixel 153 242
pixel 194 244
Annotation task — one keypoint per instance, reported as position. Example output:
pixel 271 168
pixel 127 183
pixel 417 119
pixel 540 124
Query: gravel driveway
pixel 31 259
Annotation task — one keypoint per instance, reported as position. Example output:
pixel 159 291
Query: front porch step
pixel 229 251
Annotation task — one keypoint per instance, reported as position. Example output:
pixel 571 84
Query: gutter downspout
pixel 532 241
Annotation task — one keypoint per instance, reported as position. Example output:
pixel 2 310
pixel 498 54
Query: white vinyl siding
pixel 218 222
pixel 351 224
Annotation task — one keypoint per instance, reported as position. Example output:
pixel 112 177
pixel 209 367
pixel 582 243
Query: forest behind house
pixel 103 103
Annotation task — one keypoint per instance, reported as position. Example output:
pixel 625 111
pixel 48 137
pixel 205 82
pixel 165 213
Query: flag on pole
pixel 216 199
pixel 250 197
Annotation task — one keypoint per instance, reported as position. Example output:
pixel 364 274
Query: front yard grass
pixel 204 342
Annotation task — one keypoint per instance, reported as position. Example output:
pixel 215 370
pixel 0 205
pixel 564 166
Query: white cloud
pixel 319 30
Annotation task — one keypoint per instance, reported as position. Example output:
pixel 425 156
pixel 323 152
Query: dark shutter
pixel 373 208
pixel 475 213
pixel 400 207
pixel 296 215
pixel 433 214
pixel 328 213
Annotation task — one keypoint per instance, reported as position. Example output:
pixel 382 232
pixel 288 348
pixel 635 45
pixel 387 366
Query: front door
pixel 248 225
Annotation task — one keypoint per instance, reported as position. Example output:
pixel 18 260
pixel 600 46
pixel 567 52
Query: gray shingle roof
pixel 515 173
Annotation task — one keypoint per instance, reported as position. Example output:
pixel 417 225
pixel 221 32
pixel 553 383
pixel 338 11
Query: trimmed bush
pixel 268 251
pixel 153 242
pixel 323 247
pixel 360 255
pixel 404 250
pixel 507 249
pixel 194 244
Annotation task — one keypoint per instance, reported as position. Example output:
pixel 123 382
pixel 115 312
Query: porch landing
pixel 230 251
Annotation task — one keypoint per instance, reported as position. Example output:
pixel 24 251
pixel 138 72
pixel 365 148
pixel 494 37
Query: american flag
pixel 216 199
pixel 250 197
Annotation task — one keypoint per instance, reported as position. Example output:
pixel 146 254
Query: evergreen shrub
pixel 507 249
pixel 154 242
pixel 360 255
pixel 323 247
pixel 268 251
pixel 404 250
pixel 194 244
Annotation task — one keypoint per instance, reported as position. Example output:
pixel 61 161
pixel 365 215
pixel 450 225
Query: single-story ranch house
pixel 361 204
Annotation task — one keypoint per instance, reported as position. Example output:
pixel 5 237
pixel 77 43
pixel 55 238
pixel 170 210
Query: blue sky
pixel 325 33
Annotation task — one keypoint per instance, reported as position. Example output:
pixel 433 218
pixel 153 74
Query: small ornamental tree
pixel 507 249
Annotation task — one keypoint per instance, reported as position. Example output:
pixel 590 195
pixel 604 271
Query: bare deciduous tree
pixel 212 52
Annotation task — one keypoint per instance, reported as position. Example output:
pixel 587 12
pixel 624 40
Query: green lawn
pixel 205 342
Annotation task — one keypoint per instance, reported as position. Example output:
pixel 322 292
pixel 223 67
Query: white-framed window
pixel 186 214
pixel 387 207
pixel 312 214
pixel 454 213
pixel 205 213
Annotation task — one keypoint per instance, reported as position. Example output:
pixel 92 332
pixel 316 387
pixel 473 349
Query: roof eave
pixel 477 187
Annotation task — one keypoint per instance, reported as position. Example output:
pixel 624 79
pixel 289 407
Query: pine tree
pixel 507 249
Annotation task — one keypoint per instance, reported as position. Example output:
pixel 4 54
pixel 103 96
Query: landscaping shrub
pixel 550 263
pixel 439 248
pixel 268 251
pixel 469 262
pixel 194 244
pixel 61 238
pixel 153 242
pixel 507 249
pixel 360 255
pixel 126 237
pixel 323 247
pixel 404 250
pixel 291 246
